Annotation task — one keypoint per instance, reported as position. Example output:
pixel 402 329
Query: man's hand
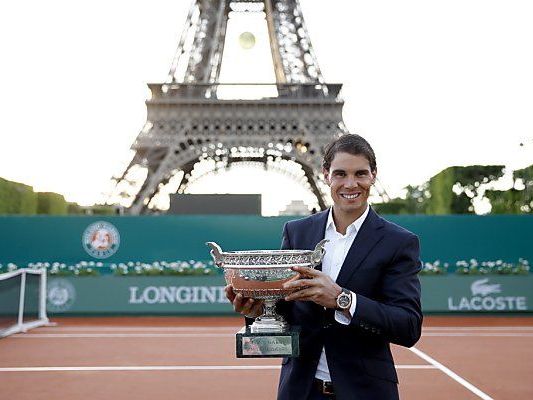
pixel 313 286
pixel 244 305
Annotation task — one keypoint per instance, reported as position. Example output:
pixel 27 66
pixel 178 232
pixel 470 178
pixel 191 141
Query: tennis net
pixel 22 300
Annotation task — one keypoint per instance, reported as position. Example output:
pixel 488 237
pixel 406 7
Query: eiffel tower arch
pixel 193 117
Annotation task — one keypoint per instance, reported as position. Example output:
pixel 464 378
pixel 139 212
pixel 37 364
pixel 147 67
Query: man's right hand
pixel 244 305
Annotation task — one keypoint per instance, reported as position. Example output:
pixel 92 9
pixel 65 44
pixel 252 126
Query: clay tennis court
pixel 193 358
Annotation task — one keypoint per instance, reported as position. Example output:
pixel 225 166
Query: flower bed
pixel 474 267
pixel 201 268
pixel 132 268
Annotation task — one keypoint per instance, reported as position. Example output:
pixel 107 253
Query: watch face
pixel 343 300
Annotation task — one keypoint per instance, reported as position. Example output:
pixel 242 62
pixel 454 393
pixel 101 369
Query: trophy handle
pixel 318 252
pixel 216 253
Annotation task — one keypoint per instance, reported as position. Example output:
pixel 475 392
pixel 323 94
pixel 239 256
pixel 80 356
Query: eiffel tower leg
pixel 161 169
pixel 187 169
pixel 160 166
pixel 312 179
pixel 136 160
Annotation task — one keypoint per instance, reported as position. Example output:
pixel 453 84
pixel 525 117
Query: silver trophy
pixel 260 274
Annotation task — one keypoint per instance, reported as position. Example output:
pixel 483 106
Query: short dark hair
pixel 351 144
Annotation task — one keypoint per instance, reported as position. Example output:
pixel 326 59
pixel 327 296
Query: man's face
pixel 350 179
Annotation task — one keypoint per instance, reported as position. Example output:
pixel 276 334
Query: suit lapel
pixel 317 231
pixel 367 237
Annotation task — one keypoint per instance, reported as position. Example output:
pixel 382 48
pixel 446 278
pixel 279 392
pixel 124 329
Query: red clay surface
pixel 494 354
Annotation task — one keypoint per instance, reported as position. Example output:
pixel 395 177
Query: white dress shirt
pixel 336 250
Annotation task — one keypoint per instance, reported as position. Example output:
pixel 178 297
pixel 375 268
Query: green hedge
pixel 51 203
pixel 74 209
pixel 97 209
pixel 102 210
pixel 17 198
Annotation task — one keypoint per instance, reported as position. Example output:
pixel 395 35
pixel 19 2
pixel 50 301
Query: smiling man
pixel 365 296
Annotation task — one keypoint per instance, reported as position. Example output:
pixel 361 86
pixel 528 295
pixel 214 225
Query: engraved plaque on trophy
pixel 260 274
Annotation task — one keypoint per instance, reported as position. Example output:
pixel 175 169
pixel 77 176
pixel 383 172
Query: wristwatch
pixel 344 300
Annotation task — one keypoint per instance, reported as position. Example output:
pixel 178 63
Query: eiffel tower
pixel 191 118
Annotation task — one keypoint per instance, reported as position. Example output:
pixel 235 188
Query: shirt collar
pixel 354 226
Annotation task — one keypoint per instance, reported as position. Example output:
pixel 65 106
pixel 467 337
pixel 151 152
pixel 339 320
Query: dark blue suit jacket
pixel 381 268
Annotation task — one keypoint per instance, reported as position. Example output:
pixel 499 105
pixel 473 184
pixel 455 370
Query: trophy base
pixel 269 324
pixel 267 344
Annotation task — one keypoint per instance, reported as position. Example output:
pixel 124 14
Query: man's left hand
pixel 314 286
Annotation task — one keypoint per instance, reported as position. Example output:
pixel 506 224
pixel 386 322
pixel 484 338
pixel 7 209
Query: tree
pixel 454 189
pixel 451 191
pixel 518 199
pixel 505 201
pixel 414 203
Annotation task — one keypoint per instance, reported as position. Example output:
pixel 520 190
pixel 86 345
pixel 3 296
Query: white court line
pixel 142 329
pixel 120 335
pixel 451 374
pixel 170 368
pixel 142 368
pixel 32 335
pixel 478 328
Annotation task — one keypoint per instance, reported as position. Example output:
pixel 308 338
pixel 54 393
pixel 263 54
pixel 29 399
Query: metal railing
pixel 244 91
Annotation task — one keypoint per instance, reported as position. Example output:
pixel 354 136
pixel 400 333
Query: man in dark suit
pixel 365 296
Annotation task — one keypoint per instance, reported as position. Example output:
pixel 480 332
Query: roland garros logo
pixel 101 239
pixel 61 295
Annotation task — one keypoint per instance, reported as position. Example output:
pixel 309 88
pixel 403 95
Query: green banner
pixel 109 294
pixel 205 295
pixel 154 238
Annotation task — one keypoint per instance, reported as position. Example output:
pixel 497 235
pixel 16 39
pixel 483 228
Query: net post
pixel 21 299
pixel 42 296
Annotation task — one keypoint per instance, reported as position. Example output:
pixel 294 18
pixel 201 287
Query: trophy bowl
pixel 260 274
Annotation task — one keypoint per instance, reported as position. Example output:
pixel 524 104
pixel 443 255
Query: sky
pixel 430 84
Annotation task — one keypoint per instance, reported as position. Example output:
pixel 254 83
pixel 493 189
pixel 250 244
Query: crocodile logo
pixel 481 287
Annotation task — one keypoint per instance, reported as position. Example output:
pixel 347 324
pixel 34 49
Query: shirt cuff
pixel 341 317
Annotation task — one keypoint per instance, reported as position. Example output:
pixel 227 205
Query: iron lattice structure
pixel 188 121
